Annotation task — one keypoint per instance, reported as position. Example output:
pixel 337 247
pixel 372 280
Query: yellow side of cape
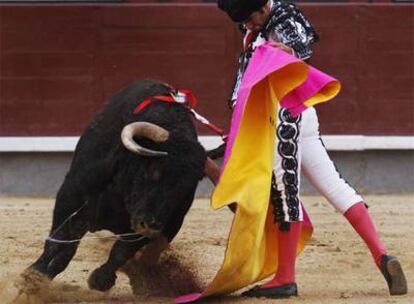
pixel 246 181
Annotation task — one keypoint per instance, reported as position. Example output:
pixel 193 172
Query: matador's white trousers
pixel 299 146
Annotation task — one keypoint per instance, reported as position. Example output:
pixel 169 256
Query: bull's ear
pixel 217 152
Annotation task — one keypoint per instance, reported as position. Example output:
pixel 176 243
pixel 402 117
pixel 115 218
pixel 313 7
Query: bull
pixel 132 174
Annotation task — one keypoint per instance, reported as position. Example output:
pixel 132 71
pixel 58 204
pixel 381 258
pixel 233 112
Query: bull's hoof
pixel 26 288
pixel 101 280
pixel 32 280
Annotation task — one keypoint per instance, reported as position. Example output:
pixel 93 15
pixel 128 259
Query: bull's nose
pixel 145 222
pixel 148 227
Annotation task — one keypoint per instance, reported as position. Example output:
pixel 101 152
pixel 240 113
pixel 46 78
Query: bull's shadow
pixel 134 174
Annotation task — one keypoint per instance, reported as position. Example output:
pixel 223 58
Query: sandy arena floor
pixel 336 267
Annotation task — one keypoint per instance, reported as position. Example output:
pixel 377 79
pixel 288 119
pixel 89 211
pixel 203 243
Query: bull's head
pixel 160 189
pixel 142 219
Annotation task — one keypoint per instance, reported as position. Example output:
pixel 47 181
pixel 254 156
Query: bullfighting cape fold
pixel 273 79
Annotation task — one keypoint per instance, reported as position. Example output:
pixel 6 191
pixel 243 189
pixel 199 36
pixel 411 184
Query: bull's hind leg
pixel 103 278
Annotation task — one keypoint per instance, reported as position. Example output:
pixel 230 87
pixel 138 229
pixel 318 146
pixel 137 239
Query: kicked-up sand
pixel 335 267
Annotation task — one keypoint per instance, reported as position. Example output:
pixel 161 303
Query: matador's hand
pixel 283 47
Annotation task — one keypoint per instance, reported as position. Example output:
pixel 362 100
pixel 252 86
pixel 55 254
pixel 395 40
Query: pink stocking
pixel 288 243
pixel 360 219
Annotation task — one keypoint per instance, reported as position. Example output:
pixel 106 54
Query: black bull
pixel 118 185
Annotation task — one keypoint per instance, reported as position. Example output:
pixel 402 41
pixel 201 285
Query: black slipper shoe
pixel 393 274
pixel 279 292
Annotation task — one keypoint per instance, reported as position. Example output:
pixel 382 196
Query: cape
pixel 273 78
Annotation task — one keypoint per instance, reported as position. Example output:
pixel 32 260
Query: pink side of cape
pixel 315 81
pixel 266 60
pixel 188 298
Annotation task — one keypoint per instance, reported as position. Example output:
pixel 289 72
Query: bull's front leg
pixel 53 260
pixel 56 256
pixel 69 223
pixel 103 278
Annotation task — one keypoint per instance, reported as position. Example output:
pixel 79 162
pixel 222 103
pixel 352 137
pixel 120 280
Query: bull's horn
pixel 143 129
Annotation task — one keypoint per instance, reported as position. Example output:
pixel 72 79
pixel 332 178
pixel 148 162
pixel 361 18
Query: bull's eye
pixel 156 175
pixel 154 172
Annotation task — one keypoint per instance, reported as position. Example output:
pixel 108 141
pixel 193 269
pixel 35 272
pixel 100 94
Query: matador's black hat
pixel 240 10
